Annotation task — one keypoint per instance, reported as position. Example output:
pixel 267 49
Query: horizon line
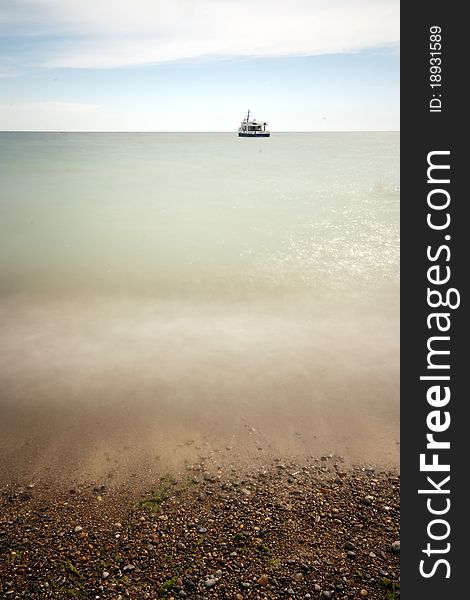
pixel 194 131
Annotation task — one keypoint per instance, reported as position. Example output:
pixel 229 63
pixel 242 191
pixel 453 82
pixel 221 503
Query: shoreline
pixel 317 528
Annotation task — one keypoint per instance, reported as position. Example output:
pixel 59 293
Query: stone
pixel 396 547
pixel 78 529
pixel 263 580
pixel 209 583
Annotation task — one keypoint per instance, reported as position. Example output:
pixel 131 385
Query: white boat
pixel 252 128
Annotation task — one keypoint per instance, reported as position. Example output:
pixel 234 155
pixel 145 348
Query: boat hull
pixel 251 135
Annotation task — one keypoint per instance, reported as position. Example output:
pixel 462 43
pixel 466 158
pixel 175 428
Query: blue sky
pixel 181 65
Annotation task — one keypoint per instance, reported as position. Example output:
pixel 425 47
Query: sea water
pixel 163 289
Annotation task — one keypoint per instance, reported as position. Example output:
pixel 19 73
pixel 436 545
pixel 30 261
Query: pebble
pixel 383 573
pixel 367 500
pixel 256 514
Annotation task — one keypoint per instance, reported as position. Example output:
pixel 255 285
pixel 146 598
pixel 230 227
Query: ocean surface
pixel 164 290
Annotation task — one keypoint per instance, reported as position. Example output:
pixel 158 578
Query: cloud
pixel 93 34
pixel 24 116
pixel 7 73
pixel 52 107
pixel 8 68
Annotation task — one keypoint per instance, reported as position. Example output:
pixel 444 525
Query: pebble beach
pixel 313 528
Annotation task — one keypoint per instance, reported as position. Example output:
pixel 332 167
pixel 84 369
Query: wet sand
pixel 96 388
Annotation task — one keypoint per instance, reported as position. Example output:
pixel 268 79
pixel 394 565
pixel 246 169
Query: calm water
pixel 201 279
pixel 204 213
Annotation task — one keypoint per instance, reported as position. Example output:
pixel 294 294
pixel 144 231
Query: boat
pixel 252 128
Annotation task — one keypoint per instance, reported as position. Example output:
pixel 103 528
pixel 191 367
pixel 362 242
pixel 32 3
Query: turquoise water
pixel 157 287
pixel 197 213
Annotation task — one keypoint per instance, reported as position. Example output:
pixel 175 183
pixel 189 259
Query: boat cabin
pixel 252 128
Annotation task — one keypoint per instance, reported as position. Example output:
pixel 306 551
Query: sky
pixel 198 65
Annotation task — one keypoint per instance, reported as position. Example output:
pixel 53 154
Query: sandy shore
pixel 174 449
pixel 306 529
